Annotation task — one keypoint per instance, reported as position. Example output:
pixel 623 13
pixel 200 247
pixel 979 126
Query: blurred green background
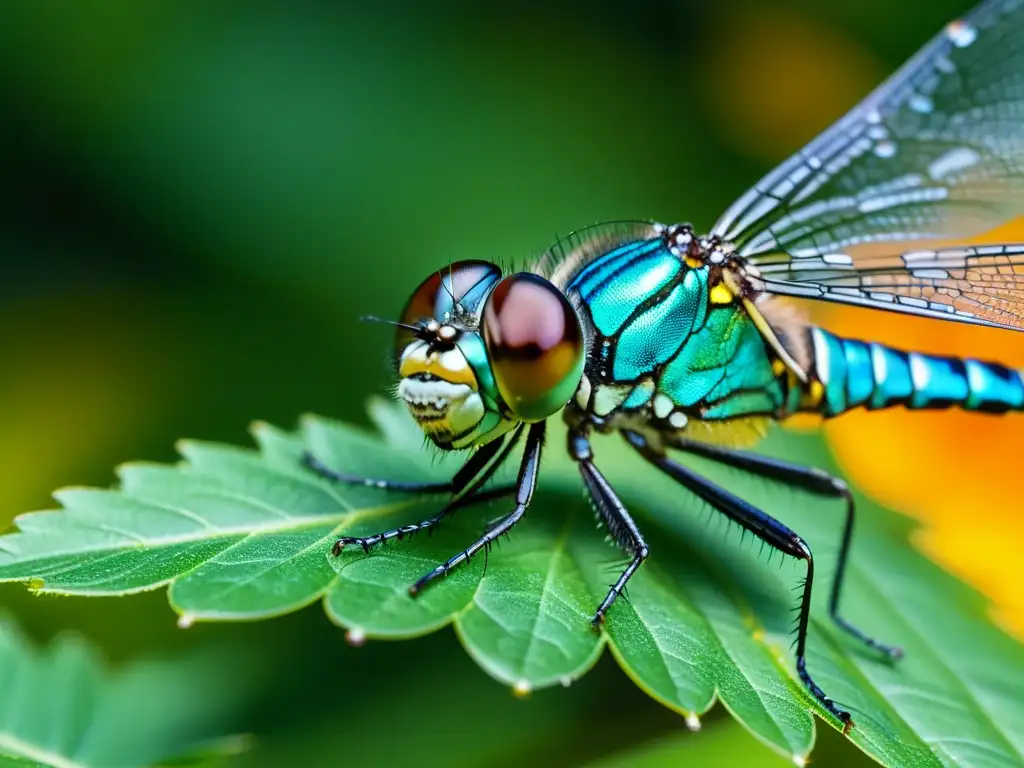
pixel 203 197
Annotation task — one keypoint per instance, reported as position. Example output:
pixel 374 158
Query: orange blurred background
pixel 204 198
pixel 955 472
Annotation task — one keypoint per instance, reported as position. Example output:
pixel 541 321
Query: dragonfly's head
pixel 478 353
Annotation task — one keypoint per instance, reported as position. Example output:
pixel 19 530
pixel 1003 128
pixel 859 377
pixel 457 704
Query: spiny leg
pixel 466 487
pixel 368 542
pixel 622 528
pixel 525 485
pixel 813 481
pixel 766 528
pixel 312 462
pixel 466 473
pixel 620 524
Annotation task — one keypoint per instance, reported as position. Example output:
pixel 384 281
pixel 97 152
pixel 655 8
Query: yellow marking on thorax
pixel 734 433
pixel 693 263
pixel 721 294
pixel 814 395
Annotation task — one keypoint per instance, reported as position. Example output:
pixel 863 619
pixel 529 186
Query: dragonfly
pixel 678 341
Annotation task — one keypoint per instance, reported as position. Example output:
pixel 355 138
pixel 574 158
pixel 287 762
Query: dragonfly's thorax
pixel 672 337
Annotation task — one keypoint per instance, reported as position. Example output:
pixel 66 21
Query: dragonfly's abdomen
pixel 849 373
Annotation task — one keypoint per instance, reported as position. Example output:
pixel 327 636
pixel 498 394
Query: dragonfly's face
pixel 487 353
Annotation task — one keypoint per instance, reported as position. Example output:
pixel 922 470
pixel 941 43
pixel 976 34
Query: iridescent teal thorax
pixel 661 348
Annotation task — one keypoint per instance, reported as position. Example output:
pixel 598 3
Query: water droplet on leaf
pixel 355 637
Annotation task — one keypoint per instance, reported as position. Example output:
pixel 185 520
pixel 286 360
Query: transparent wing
pixel 982 284
pixel 936 152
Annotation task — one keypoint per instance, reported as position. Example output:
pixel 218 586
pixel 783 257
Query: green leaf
pixel 62 709
pixel 238 534
pixel 723 744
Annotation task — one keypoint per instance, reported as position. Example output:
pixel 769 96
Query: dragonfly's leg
pixel 766 528
pixel 366 542
pixel 465 486
pixel 813 481
pixel 618 521
pixel 466 473
pixel 525 485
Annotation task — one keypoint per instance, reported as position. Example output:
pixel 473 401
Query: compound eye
pixel 534 345
pixel 463 283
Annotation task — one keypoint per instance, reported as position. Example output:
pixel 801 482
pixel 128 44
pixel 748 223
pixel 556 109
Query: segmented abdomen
pixel 849 373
